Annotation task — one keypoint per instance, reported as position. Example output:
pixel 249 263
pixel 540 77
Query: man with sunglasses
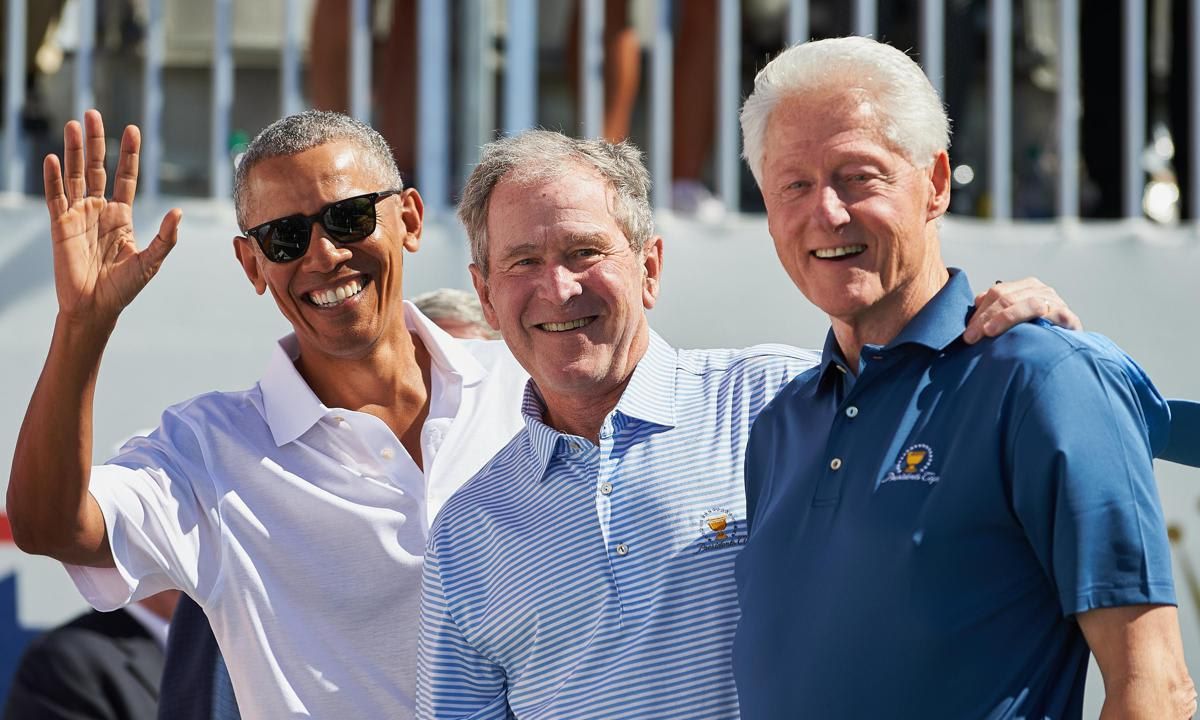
pixel 294 513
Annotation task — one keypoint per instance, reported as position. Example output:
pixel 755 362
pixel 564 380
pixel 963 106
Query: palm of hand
pixel 97 266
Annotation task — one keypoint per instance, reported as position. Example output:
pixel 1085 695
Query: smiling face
pixel 341 299
pixel 564 287
pixel 854 221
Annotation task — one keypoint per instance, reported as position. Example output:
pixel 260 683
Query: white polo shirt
pixel 300 528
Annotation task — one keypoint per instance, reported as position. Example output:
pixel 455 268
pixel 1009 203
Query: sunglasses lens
pixel 351 219
pixel 285 239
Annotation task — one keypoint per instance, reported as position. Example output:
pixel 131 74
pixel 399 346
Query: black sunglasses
pixel 346 221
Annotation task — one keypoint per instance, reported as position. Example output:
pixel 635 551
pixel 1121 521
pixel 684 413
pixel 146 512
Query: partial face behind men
pixel 853 219
pixel 342 299
pixel 564 287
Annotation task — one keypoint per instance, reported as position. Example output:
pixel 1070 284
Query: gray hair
pixel 304 131
pixel 542 155
pixel 909 113
pixel 456 306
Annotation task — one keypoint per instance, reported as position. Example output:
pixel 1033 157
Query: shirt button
pixel 387 453
pixel 606 488
pixel 835 464
pixel 339 419
pixel 851 412
pixel 575 446
pixel 622 549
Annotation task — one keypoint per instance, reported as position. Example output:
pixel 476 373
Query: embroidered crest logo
pixel 718 529
pixel 913 466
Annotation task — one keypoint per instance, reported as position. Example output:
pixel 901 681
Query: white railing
pixel 436 144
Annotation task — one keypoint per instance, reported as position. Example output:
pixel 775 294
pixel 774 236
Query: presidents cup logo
pixel 913 466
pixel 718 530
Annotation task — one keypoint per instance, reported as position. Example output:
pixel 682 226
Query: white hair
pixel 909 113
pixel 456 306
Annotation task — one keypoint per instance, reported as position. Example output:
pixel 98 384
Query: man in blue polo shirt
pixel 939 530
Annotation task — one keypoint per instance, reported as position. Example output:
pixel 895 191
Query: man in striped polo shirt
pixel 587 570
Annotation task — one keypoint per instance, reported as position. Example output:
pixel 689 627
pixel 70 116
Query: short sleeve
pixel 1183 444
pixel 161 522
pixel 454 680
pixel 1079 459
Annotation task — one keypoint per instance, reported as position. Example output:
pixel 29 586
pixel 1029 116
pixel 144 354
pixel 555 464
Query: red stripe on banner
pixel 5 529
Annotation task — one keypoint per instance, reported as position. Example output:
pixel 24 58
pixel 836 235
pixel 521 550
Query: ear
pixel 412 211
pixel 243 248
pixel 479 280
pixel 652 261
pixel 939 184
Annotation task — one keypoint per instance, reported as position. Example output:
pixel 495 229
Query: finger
pixel 1064 318
pixel 1012 290
pixel 998 310
pixel 96 178
pixel 1028 308
pixel 162 244
pixel 125 184
pixel 73 159
pixel 56 196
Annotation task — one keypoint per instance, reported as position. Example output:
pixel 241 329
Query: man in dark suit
pixel 99 666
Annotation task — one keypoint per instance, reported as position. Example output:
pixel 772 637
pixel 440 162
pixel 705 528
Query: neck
pixel 582 416
pixel 880 323
pixel 580 410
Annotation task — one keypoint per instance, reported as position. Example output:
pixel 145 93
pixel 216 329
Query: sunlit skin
pixel 358 354
pixel 304 183
pixel 830 180
pixel 557 255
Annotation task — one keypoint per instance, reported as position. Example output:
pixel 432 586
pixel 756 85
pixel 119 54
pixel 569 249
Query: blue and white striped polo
pixel 569 580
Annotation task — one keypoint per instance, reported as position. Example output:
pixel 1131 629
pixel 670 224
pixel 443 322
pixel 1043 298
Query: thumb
pixel 168 233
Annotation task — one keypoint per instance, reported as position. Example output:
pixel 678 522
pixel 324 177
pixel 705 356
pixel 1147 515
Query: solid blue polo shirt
pixel 922 535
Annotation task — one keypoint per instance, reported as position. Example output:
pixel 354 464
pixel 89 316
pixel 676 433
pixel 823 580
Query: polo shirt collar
pixel 936 326
pixel 649 397
pixel 292 408
pixel 650 394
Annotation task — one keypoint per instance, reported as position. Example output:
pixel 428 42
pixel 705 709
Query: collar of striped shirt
pixel 649 397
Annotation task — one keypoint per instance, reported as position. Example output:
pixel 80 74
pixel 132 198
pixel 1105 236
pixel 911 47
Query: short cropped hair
pixel 909 113
pixel 454 305
pixel 304 131
pixel 542 155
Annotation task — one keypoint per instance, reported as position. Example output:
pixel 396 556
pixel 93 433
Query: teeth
pixel 827 253
pixel 564 326
pixel 330 298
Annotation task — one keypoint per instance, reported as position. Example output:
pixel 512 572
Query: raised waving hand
pixel 98 269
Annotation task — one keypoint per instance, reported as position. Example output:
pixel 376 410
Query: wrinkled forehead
pixel 551 191
pixel 304 182
pixel 823 113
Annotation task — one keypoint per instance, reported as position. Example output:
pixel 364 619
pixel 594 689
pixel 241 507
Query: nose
pixel 559 284
pixel 323 254
pixel 831 209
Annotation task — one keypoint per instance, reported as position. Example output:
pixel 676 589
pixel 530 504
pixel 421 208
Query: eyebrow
pixel 582 238
pixel 519 250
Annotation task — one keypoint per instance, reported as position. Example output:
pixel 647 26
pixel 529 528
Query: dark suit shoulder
pixel 92 667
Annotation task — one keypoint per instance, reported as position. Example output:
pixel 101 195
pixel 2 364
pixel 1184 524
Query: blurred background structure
pixel 1076 157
